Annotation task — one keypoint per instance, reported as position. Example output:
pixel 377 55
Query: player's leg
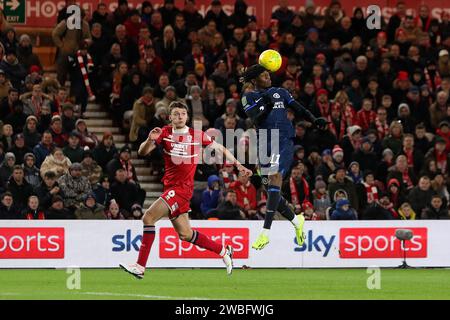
pixel 182 225
pixel 297 220
pixel 273 199
pixel 157 210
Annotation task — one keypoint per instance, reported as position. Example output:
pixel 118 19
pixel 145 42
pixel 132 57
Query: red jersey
pixel 182 150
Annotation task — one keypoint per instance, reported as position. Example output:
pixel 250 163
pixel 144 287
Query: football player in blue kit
pixel 267 107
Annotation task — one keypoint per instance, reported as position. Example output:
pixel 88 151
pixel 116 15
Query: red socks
pixel 198 239
pixel 204 242
pixel 147 241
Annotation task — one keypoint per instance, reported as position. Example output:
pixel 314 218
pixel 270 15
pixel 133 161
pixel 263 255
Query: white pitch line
pixel 139 295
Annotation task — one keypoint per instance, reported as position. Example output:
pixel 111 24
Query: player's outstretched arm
pixel 149 145
pixel 229 156
pixel 305 113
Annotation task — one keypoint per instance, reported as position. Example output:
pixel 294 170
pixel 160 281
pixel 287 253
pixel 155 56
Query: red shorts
pixel 177 199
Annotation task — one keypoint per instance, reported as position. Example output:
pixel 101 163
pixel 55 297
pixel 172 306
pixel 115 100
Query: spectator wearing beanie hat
pixel 105 151
pixel 321 198
pixel 59 137
pixel 30 132
pixel 6 170
pixel 90 209
pixel 343 211
pixel 308 211
pixel 57 210
pixel 74 186
pixel 339 181
pixel 90 169
pixel 351 142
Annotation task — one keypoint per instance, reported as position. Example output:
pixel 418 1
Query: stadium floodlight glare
pixel 403 235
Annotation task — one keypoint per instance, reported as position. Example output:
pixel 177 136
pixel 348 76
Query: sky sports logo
pixel 367 243
pixel 372 243
pixel 32 243
pixel 171 247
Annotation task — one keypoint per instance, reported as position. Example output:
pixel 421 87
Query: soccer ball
pixel 270 59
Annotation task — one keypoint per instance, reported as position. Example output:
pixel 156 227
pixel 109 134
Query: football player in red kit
pixel 182 147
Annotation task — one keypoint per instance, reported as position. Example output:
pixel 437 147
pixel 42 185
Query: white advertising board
pixel 329 244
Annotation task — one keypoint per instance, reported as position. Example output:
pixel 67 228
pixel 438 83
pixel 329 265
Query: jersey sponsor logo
pixel 32 243
pixel 278 105
pixel 276 95
pixel 171 247
pixel 368 243
pixel 244 101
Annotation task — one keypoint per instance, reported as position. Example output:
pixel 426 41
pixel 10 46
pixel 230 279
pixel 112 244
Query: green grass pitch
pixel 301 284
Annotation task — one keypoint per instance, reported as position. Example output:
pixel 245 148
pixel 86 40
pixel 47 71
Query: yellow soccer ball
pixel 270 59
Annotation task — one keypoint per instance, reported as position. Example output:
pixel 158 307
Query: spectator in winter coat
pixel 90 169
pixel 56 162
pixel 31 172
pixel 394 140
pixel 402 173
pixel 43 148
pixel 123 161
pixel 74 186
pixel 19 187
pixel 32 211
pixel 86 138
pixel 57 210
pixel 439 156
pixel 436 209
pixel 124 191
pixel 30 133
pixel 48 189
pixel 343 211
pixel 19 148
pixel 339 181
pixel 405 212
pixel 7 207
pixel 25 53
pixel 228 209
pixel 102 191
pixel 72 150
pixel 421 195
pixel 6 170
pixel 414 157
pixel 90 209
pixel 143 112
pixel 384 210
pixel 365 156
pixel 321 198
pixel 68 42
pixel 14 71
pixel 210 196
pixel 105 151
pixel 395 193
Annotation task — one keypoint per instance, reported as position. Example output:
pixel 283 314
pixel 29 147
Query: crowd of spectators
pixel 385 93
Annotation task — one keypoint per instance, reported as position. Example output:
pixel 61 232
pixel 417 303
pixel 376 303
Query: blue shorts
pixel 280 161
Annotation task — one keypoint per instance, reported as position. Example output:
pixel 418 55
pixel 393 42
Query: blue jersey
pixel 277 117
